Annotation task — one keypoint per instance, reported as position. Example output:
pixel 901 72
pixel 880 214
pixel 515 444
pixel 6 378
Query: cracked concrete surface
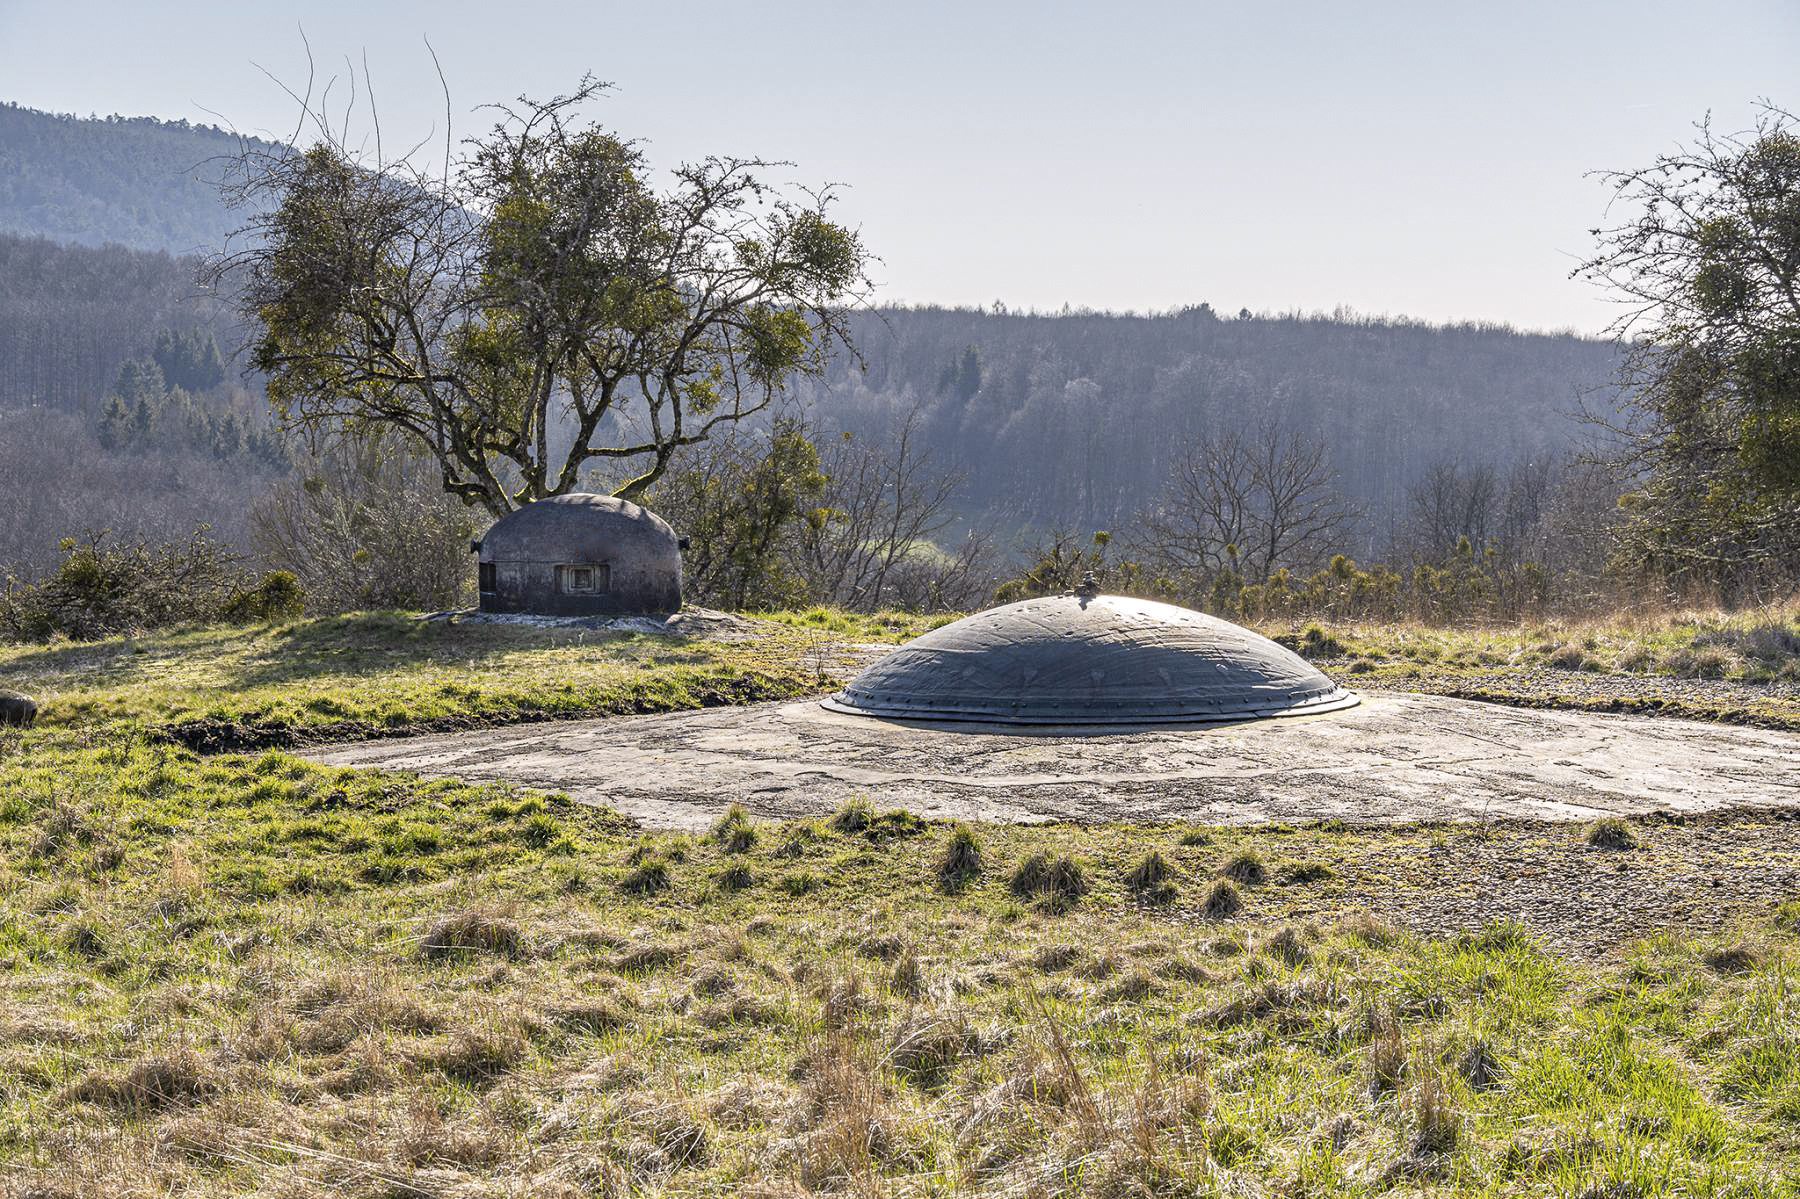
pixel 1396 758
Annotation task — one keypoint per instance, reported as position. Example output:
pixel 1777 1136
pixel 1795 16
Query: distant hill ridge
pixel 138 182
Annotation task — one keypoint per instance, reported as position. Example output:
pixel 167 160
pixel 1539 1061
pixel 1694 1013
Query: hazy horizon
pixel 1397 161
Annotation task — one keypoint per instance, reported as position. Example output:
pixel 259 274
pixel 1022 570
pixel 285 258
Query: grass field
pixel 1757 646
pixel 240 973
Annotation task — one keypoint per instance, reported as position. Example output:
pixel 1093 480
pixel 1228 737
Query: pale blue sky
pixel 1404 158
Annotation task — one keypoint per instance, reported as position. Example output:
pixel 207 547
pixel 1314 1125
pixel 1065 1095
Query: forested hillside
pixel 120 405
pixel 1073 419
pixel 1052 421
pixel 70 315
pixel 133 181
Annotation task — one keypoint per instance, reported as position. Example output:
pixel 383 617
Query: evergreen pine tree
pixel 115 421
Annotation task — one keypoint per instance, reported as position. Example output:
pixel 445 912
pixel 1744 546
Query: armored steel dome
pixel 1085 659
pixel 580 555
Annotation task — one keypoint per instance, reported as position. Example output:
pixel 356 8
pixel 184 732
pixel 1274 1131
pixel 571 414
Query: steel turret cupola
pixel 580 555
pixel 1084 659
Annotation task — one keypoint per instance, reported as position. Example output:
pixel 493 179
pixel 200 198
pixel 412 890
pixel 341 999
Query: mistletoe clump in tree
pixel 1708 266
pixel 536 307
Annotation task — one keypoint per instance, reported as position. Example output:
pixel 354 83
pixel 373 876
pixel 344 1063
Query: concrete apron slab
pixel 1395 758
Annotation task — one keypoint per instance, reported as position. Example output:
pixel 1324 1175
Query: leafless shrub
pixel 365 524
pixel 869 544
pixel 1249 502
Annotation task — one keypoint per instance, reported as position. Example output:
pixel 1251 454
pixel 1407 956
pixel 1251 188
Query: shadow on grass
pixel 354 644
pixel 383 641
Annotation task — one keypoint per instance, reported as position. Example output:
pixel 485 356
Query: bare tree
pixel 883 504
pixel 946 580
pixel 1253 501
pixel 1449 502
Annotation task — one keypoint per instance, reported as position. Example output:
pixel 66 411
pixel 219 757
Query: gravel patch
pixel 1700 875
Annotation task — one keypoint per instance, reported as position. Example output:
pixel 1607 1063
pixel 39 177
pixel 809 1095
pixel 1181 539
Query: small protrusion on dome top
pixel 1088 588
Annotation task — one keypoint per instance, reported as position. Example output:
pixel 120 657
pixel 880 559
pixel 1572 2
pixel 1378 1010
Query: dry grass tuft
pixel 1385 1058
pixel 1611 833
pixel 590 1014
pixel 1152 878
pixel 483 1052
pixel 961 862
pixel 750 1103
pixel 844 1000
pixel 714 980
pixel 1184 969
pixel 148 1084
pixel 1245 868
pixel 855 816
pixel 734 878
pixel 475 930
pixel 1293 874
pixel 735 832
pixel 426 1139
pixel 881 947
pixel 1732 959
pixel 1222 900
pixel 1436 1124
pixel 1370 930
pixel 1480 1066
pixel 1710 662
pixel 1134 987
pixel 1051 958
pixel 1572 656
pixel 848 1129
pixel 652 955
pixel 928 1045
pixel 1288 947
pixel 646 878
pixel 1056 882
pixel 908 977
